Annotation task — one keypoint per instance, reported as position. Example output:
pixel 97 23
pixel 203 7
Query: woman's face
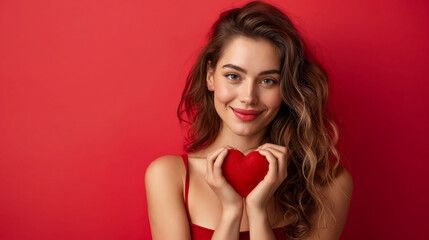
pixel 246 85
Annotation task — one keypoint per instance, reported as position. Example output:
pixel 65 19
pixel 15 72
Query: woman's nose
pixel 248 93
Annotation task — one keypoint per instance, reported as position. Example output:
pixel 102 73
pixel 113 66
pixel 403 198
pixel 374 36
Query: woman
pixel 254 87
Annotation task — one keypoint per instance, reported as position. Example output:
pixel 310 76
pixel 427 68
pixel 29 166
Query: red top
pixel 202 233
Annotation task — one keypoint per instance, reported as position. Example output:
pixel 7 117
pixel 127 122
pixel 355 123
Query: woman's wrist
pixel 259 224
pixel 228 226
pixel 256 212
pixel 233 211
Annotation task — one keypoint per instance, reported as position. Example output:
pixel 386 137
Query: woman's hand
pixel 229 198
pixel 259 197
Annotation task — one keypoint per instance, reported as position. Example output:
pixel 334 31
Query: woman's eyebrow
pixel 244 71
pixel 234 67
pixel 270 72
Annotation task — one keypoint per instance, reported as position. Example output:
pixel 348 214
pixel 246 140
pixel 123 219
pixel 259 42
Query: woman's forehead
pixel 253 55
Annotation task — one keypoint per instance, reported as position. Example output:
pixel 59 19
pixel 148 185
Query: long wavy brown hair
pixel 302 124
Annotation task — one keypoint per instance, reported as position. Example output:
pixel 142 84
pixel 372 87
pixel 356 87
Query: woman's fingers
pixel 280 152
pixel 215 161
pixel 280 159
pixel 229 198
pixel 210 160
pixel 282 162
pixel 273 165
pixel 217 168
pixel 277 153
pixel 277 172
pixel 278 147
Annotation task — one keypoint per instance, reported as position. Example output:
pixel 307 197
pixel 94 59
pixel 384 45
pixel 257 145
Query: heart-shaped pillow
pixel 244 172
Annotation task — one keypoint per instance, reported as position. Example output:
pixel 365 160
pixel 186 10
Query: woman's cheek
pixel 273 99
pixel 224 92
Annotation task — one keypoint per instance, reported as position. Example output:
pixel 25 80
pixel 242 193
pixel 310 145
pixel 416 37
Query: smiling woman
pixel 243 99
pixel 254 88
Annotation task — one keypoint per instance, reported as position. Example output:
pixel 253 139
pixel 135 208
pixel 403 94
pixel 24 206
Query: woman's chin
pixel 245 132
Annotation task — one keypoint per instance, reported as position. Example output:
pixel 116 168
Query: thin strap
pixel 185 160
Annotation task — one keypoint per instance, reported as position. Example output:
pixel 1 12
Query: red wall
pixel 89 90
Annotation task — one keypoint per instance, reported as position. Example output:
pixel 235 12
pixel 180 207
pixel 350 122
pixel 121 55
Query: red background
pixel 88 97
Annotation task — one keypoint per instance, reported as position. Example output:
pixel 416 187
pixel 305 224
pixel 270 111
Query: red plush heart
pixel 244 172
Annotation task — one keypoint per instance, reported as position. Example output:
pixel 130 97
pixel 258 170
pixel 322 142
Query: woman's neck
pixel 245 144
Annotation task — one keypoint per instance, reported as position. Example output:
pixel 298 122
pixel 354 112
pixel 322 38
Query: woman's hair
pixel 302 124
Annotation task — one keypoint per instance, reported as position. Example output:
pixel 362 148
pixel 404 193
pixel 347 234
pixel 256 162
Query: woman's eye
pixel 268 81
pixel 233 77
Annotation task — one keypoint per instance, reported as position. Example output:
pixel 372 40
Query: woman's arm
pixel 339 193
pixel 167 213
pixel 259 225
pixel 257 201
pixel 164 193
pixel 232 203
pixel 228 226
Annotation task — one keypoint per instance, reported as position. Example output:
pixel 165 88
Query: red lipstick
pixel 246 115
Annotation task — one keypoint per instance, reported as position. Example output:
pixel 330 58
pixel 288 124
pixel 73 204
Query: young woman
pixel 254 87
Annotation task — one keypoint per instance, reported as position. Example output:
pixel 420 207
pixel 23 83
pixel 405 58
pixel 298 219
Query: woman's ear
pixel 210 76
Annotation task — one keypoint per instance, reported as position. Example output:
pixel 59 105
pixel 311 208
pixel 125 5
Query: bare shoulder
pixel 168 167
pixel 166 209
pixel 342 184
pixel 339 193
pixel 165 175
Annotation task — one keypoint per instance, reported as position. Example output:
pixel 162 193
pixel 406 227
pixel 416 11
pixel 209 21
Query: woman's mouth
pixel 246 115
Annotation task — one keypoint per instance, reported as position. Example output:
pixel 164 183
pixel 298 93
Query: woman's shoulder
pixel 168 169
pixel 166 161
pixel 165 200
pixel 339 192
pixel 344 182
